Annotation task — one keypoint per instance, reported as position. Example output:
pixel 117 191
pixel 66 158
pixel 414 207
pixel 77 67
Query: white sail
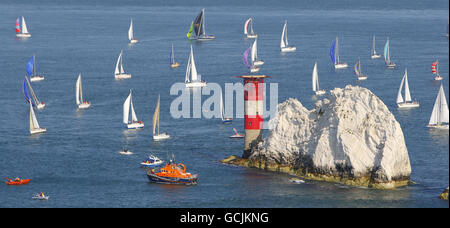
pixel 254 52
pixel 133 113
pixel 192 70
pixel 283 42
pixel 77 90
pixel 33 121
pixel 130 31
pixel 156 117
pixel 399 94
pixel 126 109
pixel 24 26
pixel 374 52
pixel 337 51
pixel 440 112
pixel 119 61
pixel 407 94
pixel 222 111
pixel 315 78
pixel 246 25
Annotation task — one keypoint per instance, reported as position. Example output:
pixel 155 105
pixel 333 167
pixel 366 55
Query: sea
pixel 77 161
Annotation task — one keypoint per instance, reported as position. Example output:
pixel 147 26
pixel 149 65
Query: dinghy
pixel 358 71
pixel 405 103
pixel 173 64
pixel 248 29
pixel 192 79
pixel 119 73
pixel 156 134
pixel 435 71
pixel 197 31
pixel 315 82
pixel 252 67
pixel 152 161
pixel 33 99
pixel 373 51
pixel 131 37
pixel 40 196
pixel 31 70
pixel 34 125
pixel 236 134
pixel 134 122
pixel 439 115
pixel 254 55
pixel 284 45
pixel 82 104
pixel 334 54
pixel 387 55
pixel 222 112
pixel 21 29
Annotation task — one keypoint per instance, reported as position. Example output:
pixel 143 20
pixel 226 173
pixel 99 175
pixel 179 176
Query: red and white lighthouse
pixel 253 111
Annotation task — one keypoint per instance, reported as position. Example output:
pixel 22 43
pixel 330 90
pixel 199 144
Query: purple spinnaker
pixel 246 57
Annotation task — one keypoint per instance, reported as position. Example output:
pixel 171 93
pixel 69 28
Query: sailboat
pixel 373 51
pixel 134 122
pixel 252 67
pixel 387 55
pixel 34 125
pixel 439 116
pixel 248 29
pixel 236 134
pixel 173 64
pixel 131 37
pixel 197 31
pixel 119 73
pixel 31 70
pixel 254 56
pixel 315 81
pixel 284 45
pixel 193 79
pixel 156 134
pixel 222 112
pixel 435 71
pixel 358 71
pixel 21 30
pixel 34 101
pixel 334 54
pixel 82 104
pixel 406 103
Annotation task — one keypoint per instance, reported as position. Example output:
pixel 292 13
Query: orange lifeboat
pixel 17 181
pixel 172 173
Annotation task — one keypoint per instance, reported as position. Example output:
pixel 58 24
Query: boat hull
pixel 84 105
pixel 161 136
pixel 227 120
pixel 135 125
pixel 340 66
pixel 134 41
pixel 252 36
pixel 375 56
pixel 438 78
pixel 237 136
pixel 258 63
pixel 18 182
pixel 320 92
pixel 23 35
pixel 390 65
pixel 408 105
pixel 175 65
pixel 36 78
pixel 38 130
pixel 172 180
pixel 195 84
pixel 40 106
pixel 206 38
pixel 122 76
pixel 440 127
pixel 40 197
pixel 288 49
pixel 254 69
pixel 361 78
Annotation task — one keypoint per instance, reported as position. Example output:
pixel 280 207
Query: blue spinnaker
pixel 246 57
pixel 333 59
pixel 30 66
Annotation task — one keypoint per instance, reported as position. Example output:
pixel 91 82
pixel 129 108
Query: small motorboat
pixel 17 181
pixel 152 161
pixel 236 134
pixel 40 196
pixel 125 152
pixel 296 180
pixel 172 173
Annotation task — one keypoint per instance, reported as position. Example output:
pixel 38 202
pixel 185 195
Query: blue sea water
pixel 77 162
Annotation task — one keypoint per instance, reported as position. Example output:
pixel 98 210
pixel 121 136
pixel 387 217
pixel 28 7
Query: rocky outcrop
pixel 444 195
pixel 350 138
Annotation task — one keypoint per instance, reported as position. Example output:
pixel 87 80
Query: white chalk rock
pixel 353 135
